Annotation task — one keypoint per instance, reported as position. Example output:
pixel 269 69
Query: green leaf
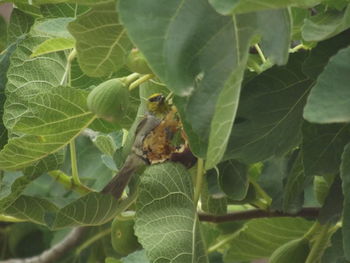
pixel 22 84
pixel 105 144
pixel 260 237
pixel 4 65
pixel 296 181
pixel 166 219
pixel 81 2
pixel 326 24
pixel 3 34
pixel 80 80
pixel 322 148
pixel 91 209
pixel 20 24
pixel 345 176
pixel 100 52
pixel 271 179
pixel 136 257
pixel 92 171
pixel 62 10
pixel 213 204
pixel 270 110
pixel 52 119
pixel 275 28
pixel 53 45
pixel 319 56
pixel 226 7
pixel 332 208
pixel 339 5
pixel 296 250
pixel 55 27
pixel 335 253
pixel 14 183
pixel 233 178
pixel 298 15
pixel 326 102
pixel 32 209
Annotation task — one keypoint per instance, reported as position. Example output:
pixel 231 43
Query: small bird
pixel 152 144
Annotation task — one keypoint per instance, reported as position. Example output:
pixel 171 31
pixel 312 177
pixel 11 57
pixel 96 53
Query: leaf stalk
pixel 199 180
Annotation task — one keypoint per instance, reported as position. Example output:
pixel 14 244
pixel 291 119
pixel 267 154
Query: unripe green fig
pixel 136 62
pixel 294 251
pixel 109 100
pixel 124 240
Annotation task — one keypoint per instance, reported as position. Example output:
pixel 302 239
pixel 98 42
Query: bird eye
pixel 156 98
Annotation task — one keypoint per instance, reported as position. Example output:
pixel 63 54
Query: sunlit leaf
pixel 100 52
pixel 53 45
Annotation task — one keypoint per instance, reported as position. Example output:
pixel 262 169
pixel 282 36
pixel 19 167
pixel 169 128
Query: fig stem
pixel 141 80
pixel 297 48
pixel 68 183
pixel 92 240
pixel 130 78
pixel 261 54
pixel 319 245
pixel 261 193
pixel 199 180
pixel 70 58
pixel 73 158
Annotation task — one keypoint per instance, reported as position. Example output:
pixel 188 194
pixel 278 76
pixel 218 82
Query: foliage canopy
pixel 262 90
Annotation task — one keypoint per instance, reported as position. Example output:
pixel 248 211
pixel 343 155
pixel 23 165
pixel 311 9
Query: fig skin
pixel 110 100
pixel 124 240
pixel 136 62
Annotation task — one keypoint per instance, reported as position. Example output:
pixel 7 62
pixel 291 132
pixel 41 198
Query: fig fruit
pixel 136 62
pixel 124 240
pixel 110 100
pixel 293 251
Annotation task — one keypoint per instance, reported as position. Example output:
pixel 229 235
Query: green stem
pixel 223 242
pixel 320 244
pixel 73 159
pixel 256 67
pixel 67 182
pixel 170 95
pixel 261 54
pixel 261 193
pixel 260 203
pixel 66 74
pixel 199 180
pixel 139 81
pixel 130 78
pixel 125 136
pixel 297 48
pixel 6 218
pixel 92 240
pixel 312 231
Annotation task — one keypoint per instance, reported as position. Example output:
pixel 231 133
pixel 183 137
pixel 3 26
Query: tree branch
pixel 72 240
pixel 311 212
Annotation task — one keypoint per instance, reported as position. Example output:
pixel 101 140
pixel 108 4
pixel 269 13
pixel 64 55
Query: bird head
pixel 157 105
